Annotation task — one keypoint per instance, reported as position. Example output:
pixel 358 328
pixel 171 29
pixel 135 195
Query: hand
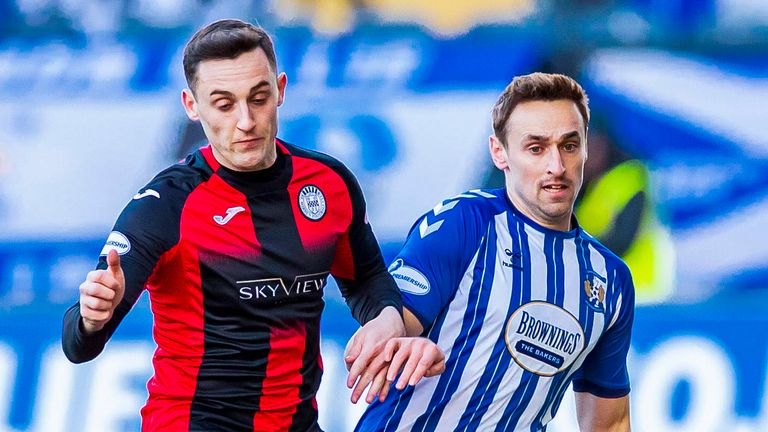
pixel 416 357
pixel 424 359
pixel 362 355
pixel 100 294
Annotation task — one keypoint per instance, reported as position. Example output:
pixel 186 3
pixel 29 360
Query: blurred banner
pixel 693 368
pixel 401 92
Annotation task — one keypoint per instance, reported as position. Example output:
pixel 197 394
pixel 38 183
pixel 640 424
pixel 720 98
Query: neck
pixel 558 224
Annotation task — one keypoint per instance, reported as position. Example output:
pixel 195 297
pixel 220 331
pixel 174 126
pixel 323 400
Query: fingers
pixel 378 384
pixel 384 390
pixel 436 369
pixel 362 383
pixel 351 352
pixel 369 352
pixel 365 366
pixel 421 368
pixel 422 358
pixel 408 369
pixel 374 374
pixel 101 286
pixel 96 304
pixel 402 354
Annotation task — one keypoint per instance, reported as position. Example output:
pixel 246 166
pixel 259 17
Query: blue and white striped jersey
pixel 520 311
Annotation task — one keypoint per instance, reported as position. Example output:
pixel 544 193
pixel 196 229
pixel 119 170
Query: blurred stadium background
pixel 401 90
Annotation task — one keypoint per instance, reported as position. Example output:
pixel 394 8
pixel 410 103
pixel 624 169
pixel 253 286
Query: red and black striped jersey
pixel 235 264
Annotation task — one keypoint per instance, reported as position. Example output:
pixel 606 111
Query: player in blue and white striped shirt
pixel 521 300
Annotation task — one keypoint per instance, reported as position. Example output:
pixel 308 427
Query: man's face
pixel 236 102
pixel 543 163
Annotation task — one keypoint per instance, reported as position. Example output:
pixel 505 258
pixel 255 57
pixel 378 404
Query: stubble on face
pixel 237 102
pixel 546 150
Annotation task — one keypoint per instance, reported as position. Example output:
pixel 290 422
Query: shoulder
pixel 476 204
pixel 612 261
pixel 169 189
pixel 317 158
pixel 467 213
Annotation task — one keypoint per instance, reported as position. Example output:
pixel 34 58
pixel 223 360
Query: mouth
pixel 555 187
pixel 248 144
pixel 248 141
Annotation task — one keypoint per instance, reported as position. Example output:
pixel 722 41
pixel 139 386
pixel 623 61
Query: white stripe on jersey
pixel 495 319
pixel 571 302
pixel 448 335
pixel 598 265
pixel 503 301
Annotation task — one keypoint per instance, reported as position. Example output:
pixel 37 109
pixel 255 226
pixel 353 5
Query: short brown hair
pixel 537 86
pixel 225 39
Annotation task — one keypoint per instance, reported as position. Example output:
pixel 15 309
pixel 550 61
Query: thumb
pixel 113 263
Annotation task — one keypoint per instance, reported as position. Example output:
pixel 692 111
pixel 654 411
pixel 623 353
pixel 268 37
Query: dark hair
pixel 537 86
pixel 225 39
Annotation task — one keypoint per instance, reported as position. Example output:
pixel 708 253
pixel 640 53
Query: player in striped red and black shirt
pixel 234 245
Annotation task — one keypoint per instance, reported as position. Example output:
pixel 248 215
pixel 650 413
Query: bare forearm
pixel 598 414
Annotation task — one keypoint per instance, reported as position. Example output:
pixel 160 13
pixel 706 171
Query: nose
pixel 555 164
pixel 245 118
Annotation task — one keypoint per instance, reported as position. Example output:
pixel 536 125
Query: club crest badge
pixel 594 287
pixel 312 202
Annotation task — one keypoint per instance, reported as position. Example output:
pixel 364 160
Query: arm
pixel 142 233
pixel 601 385
pixel 101 294
pixel 597 414
pixel 412 324
pixel 368 289
pixel 412 357
pixel 427 274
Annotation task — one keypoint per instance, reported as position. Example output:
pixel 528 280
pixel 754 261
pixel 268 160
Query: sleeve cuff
pixel 583 386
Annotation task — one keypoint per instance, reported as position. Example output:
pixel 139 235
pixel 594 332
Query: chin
pixel 250 161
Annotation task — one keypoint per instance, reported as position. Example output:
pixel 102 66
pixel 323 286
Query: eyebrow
pixel 538 138
pixel 254 89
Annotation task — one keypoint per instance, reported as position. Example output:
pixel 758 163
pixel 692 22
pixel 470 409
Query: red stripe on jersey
pixel 207 153
pixel 221 220
pixel 178 332
pixel 343 265
pixel 280 394
pixel 179 324
pixel 335 216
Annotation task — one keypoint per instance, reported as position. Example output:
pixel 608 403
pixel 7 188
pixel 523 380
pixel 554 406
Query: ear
pixel 498 153
pixel 190 104
pixel 282 80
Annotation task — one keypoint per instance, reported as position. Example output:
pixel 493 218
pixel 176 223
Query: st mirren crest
pixel 312 202
pixel 594 286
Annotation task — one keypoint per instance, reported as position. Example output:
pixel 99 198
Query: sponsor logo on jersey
pixel 117 241
pixel 231 212
pixel 275 288
pixel 408 278
pixel 515 259
pixel 594 286
pixel 312 202
pixel 146 193
pixel 543 338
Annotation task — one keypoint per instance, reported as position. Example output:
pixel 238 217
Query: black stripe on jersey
pixel 306 414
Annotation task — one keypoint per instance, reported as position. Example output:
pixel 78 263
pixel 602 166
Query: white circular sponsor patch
pixel 543 338
pixel 408 278
pixel 117 241
pixel 312 202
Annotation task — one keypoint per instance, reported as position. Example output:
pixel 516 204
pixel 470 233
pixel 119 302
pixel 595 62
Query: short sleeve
pixel 435 256
pixel 604 372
